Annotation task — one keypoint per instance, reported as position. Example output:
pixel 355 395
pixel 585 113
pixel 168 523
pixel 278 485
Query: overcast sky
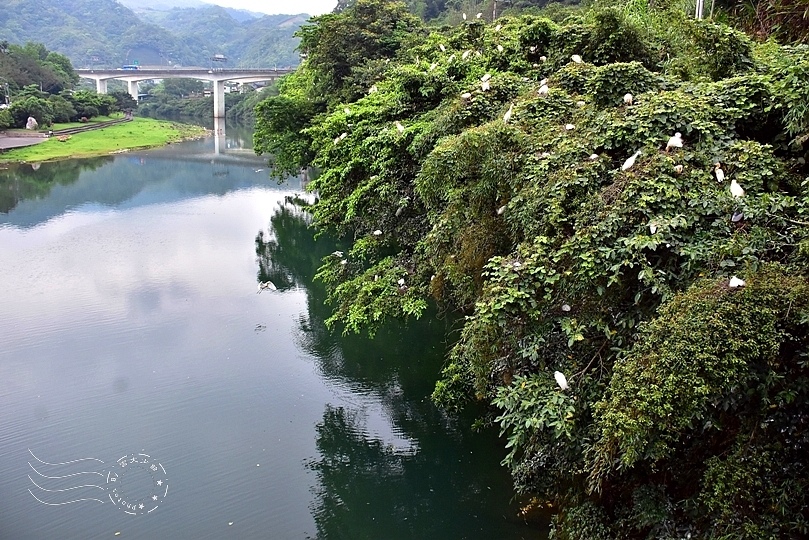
pixel 272 7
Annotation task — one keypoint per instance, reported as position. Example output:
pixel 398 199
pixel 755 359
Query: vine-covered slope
pixel 621 198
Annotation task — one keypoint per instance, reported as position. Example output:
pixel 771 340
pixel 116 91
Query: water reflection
pixel 389 463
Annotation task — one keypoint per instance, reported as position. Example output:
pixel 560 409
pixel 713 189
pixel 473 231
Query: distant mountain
pixel 106 33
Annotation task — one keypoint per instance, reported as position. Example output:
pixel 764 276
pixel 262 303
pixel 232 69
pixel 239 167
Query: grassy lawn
pixel 67 125
pixel 139 133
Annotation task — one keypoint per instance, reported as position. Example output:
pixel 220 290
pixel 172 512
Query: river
pixel 148 389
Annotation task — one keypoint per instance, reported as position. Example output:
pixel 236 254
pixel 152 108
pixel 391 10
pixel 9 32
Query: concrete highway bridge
pixel 217 76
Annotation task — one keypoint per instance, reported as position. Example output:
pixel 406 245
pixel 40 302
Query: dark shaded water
pixel 146 388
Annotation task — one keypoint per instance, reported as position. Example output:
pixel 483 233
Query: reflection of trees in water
pixel 438 478
pixel 27 181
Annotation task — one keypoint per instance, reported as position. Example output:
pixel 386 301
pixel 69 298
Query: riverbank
pixel 137 134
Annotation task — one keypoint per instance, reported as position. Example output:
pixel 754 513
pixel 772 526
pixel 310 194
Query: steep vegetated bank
pixel 621 197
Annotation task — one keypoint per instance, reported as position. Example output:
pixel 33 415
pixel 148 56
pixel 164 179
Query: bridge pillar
pixel 133 90
pixel 101 86
pixel 218 99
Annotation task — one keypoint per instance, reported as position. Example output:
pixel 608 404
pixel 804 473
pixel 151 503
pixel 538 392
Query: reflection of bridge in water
pixel 217 76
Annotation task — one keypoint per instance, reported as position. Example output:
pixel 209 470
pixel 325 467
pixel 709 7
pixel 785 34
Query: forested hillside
pixel 105 33
pixel 618 203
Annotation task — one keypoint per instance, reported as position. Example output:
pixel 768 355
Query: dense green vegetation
pixel 481 167
pixel 105 33
pixel 39 83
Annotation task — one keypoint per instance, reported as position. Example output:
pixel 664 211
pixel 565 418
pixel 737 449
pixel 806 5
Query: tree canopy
pixel 485 167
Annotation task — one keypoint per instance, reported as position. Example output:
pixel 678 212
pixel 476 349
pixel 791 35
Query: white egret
pixel 569 127
pixel 720 174
pixel 485 85
pixel 373 89
pixel 336 140
pixel 466 95
pixel 576 58
pixel 543 82
pixel 735 282
pixel 561 380
pixel 543 58
pixel 486 77
pixel 338 253
pixel 532 49
pixel 543 90
pixel 264 285
pixel 653 227
pixel 737 217
pixel 735 189
pixel 433 66
pixel 509 112
pixel 501 210
pixel 441 46
pixel 678 169
pixel 344 262
pixel 464 16
pixel 593 157
pixel 675 142
pixel 479 15
pixel 580 103
pixel 630 161
pixel 401 282
pixel 628 99
pixel 343 135
pixel 451 58
pixel 347 110
pixel 465 55
pixel 565 307
pixel 498 27
pixel 399 127
pixel 499 48
pixel 377 232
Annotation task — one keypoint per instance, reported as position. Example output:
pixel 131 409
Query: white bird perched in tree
pixel 569 127
pixel 720 174
pixel 464 16
pixel 479 15
pixel 441 46
pixel 678 169
pixel 543 90
pixel 735 282
pixel 543 58
pixel 465 55
pixel 630 161
pixel 486 77
pixel 532 49
pixel 576 58
pixel 485 85
pixel 343 135
pixel 675 141
pixel 628 99
pixel 399 127
pixel 509 112
pixel 593 157
pixel 543 82
pixel 377 232
pixel 735 189
pixel 580 103
pixel 338 253
pixel 466 95
pixel 499 48
pixel 347 110
pixel 373 89
pixel 653 227
pixel 501 210
pixel 433 66
pixel 401 282
pixel 561 380
pixel 498 27
pixel 565 307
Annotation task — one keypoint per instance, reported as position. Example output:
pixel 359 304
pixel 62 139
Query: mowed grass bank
pixel 139 133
